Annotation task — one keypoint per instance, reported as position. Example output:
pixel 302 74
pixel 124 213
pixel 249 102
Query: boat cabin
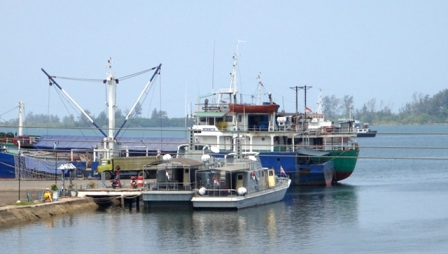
pixel 175 174
pixel 235 176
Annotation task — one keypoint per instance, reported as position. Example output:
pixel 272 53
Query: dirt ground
pixel 9 189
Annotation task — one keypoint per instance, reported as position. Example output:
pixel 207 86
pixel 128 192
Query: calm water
pixel 387 206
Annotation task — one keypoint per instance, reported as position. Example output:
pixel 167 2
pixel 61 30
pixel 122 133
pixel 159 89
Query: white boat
pixel 237 183
pixel 172 180
pixel 364 130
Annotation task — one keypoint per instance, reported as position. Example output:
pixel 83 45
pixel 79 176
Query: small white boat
pixel 238 182
pixel 364 130
pixel 173 184
pixel 172 180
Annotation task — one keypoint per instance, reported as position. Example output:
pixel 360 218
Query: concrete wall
pixel 13 214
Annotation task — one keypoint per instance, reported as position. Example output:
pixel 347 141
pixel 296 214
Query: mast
pixel 111 104
pixel 233 89
pixel 233 80
pixel 319 102
pixel 20 131
pixel 260 84
pixel 110 147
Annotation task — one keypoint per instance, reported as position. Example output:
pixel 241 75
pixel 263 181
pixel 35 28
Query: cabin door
pixel 186 177
pixel 239 180
pixel 271 178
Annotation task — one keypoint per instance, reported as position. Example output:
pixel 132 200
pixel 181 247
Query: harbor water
pixel 395 202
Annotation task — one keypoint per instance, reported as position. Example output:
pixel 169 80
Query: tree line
pixel 158 118
pixel 423 109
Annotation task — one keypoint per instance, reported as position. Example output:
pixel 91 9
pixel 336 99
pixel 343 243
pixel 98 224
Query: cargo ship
pixel 300 143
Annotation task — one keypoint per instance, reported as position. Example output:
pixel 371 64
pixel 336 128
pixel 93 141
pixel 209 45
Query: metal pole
pixel 55 147
pixel 306 88
pixel 18 198
pixel 296 88
pixel 56 171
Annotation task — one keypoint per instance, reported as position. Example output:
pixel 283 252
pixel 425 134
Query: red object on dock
pixel 140 181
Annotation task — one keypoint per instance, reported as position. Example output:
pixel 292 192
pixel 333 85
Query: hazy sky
pixel 386 50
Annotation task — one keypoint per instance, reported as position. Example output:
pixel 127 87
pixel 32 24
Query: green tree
pixel 347 105
pixel 138 109
pixel 330 106
pixel 158 114
pixel 68 121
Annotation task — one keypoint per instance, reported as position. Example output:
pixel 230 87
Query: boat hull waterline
pixel 239 202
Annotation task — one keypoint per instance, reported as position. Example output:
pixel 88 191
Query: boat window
pixel 271 173
pixel 240 177
pixel 239 118
pixel 228 119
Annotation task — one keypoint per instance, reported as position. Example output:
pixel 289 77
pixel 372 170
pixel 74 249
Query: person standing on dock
pixel 55 146
pixel 117 172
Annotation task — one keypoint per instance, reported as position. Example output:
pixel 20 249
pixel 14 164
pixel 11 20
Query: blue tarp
pixel 67 142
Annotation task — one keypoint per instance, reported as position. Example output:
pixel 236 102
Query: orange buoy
pixel 140 181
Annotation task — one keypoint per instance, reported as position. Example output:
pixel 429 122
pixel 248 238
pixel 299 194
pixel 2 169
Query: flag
pixel 308 109
pixel 215 181
pixel 167 175
pixel 282 171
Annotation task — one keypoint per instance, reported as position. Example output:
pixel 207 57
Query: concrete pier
pixel 105 197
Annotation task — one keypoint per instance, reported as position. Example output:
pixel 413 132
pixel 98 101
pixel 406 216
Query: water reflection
pixel 304 214
pixel 304 218
pixel 313 208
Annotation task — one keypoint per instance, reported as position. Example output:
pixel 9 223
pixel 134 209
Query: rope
pixel 8 111
pixel 136 74
pixel 143 99
pixel 79 79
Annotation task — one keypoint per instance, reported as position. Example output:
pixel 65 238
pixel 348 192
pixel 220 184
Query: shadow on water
pixel 171 209
pixel 318 207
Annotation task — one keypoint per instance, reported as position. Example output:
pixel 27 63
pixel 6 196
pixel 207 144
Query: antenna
pixel 213 71
pixel 260 84
pixel 233 88
pixel 319 102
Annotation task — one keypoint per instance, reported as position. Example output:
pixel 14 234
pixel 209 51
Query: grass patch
pixel 24 203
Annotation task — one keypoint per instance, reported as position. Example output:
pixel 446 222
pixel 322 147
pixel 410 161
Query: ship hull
pixel 369 134
pixel 344 163
pixel 7 168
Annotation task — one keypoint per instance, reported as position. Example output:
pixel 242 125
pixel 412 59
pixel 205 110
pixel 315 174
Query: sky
pixel 382 50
